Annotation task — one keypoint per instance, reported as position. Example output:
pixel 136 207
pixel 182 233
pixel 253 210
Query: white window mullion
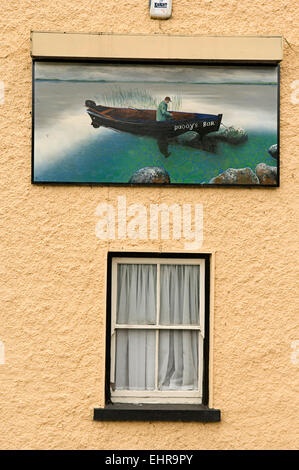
pixel 157 331
pixel 202 299
pixel 158 294
pixel 157 327
pixel 200 361
pixel 112 370
pixel 157 360
pixel 113 320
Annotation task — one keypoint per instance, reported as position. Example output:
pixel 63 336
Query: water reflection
pixel 205 144
pixel 163 146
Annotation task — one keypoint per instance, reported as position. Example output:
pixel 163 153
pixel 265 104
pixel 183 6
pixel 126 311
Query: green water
pixel 127 153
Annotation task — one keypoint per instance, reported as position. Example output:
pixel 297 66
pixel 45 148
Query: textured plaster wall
pixel 52 319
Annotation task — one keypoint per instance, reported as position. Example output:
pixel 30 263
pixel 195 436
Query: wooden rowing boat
pixel 143 121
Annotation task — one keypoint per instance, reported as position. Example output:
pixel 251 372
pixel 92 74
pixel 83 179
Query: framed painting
pixel 150 123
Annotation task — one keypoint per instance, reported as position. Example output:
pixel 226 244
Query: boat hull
pixel 200 123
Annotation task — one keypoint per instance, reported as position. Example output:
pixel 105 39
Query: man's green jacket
pixel 162 113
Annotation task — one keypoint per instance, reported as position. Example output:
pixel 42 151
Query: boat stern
pixel 219 121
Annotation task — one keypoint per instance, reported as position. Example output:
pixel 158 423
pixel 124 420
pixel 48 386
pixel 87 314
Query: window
pixel 157 332
pixel 157 338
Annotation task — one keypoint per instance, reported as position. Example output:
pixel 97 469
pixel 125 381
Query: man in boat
pixel 162 113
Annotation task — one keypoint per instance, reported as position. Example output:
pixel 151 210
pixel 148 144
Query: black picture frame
pixel 151 62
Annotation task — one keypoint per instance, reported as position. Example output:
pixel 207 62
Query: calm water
pixel 69 149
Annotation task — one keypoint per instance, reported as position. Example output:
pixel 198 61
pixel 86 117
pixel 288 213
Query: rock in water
pixel 188 137
pixel 235 136
pixel 192 139
pixel 273 151
pixel 150 174
pixel 236 176
pixel 266 174
pixel 230 135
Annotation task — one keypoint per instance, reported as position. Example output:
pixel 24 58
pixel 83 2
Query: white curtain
pixel 135 349
pixel 179 304
pixel 178 360
pixel 136 294
pixel 178 349
pixel 135 360
pixel 179 294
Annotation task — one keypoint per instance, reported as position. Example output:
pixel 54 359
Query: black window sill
pixel 147 412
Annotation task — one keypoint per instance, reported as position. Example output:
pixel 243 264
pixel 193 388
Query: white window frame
pixel 158 396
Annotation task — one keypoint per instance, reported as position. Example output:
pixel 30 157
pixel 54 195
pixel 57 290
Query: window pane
pixel 135 360
pixel 136 294
pixel 178 360
pixel 179 294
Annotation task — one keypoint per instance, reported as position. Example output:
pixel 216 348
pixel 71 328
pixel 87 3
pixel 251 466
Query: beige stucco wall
pixel 52 319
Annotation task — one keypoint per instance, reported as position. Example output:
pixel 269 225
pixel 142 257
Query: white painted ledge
pixel 157 47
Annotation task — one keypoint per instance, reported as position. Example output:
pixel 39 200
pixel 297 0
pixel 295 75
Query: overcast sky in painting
pixel 142 73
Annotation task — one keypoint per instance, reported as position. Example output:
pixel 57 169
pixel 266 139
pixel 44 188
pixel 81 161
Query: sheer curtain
pixel 178 349
pixel 179 294
pixel 136 294
pixel 135 360
pixel 135 349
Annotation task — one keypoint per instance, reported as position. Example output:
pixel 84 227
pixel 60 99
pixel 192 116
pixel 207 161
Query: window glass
pixel 179 294
pixel 136 294
pixel 178 360
pixel 135 360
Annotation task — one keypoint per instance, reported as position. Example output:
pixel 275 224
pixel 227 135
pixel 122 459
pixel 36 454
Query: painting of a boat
pixel 155 123
pixel 143 121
